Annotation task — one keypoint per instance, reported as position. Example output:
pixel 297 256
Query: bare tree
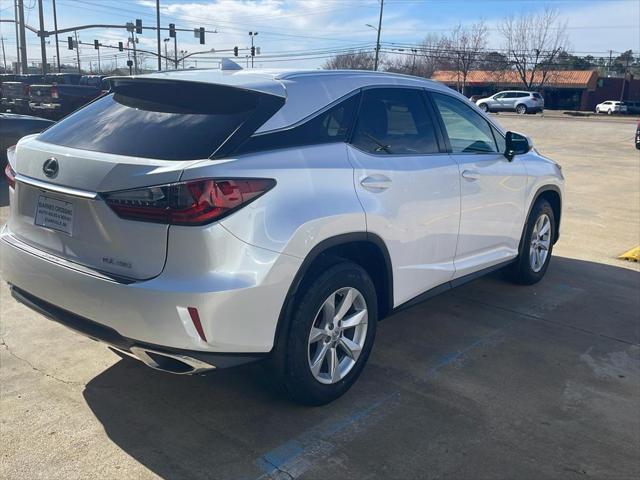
pixel 466 44
pixel 362 60
pixel 432 54
pixel 534 41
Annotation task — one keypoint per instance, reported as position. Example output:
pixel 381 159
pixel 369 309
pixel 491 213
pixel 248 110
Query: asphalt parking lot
pixel 490 380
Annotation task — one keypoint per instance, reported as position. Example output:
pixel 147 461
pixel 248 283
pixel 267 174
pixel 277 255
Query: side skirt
pixel 449 285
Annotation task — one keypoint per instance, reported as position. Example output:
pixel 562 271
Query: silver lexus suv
pixel 201 219
pixel 512 101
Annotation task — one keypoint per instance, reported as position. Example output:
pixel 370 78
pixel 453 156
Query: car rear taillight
pixel 54 91
pixel 195 202
pixel 9 172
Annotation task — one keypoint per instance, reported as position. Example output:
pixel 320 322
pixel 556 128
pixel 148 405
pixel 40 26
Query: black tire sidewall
pixel 299 381
pixel 523 273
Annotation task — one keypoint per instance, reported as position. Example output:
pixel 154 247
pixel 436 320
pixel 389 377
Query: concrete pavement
pixel 491 380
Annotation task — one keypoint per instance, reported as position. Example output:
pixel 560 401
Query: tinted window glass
pixel 468 131
pixel 396 121
pixel 328 127
pixel 170 121
pixel 536 95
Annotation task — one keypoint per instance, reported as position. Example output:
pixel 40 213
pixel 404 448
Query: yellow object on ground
pixel 632 255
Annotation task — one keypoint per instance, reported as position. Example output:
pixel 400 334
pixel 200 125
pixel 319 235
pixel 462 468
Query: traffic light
pixel 138 25
pixel 120 47
pixel 201 35
pixel 235 51
pixel 70 43
pixel 96 44
pixel 253 51
pixel 172 30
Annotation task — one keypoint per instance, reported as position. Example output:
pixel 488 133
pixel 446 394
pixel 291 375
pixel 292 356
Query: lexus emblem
pixel 50 167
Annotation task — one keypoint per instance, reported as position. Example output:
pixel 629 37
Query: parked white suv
pixel 201 219
pixel 512 101
pixel 610 107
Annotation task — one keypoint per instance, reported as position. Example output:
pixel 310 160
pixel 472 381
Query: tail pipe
pixel 169 362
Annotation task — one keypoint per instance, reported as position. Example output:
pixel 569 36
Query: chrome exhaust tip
pixel 169 362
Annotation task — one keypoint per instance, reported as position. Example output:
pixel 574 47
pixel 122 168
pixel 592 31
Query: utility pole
pixel 55 26
pixel 99 67
pixel 609 66
pixel 115 58
pixel 23 39
pixel 375 66
pixel 413 65
pixel 135 56
pixel 158 32
pixel 4 55
pixel 43 46
pixel 15 13
pixel 175 51
pixel 624 80
pixel 78 51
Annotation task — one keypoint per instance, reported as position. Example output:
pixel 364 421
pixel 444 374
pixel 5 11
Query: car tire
pixel 484 107
pixel 597 110
pixel 521 109
pixel 609 112
pixel 530 267
pixel 330 284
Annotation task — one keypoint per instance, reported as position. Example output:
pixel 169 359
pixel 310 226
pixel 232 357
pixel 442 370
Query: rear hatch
pixel 43 93
pixel 13 90
pixel 144 133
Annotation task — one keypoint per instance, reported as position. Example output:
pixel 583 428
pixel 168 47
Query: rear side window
pixel 394 121
pixel 536 95
pixel 330 126
pixel 169 120
pixel 468 132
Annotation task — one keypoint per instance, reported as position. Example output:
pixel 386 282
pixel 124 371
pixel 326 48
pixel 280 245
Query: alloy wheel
pixel 521 109
pixel 540 243
pixel 337 335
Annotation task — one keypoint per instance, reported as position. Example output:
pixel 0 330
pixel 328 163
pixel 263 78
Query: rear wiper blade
pixel 381 146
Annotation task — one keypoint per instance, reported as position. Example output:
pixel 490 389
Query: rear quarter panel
pixel 314 198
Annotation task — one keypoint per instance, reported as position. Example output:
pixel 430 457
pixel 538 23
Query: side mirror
pixel 517 144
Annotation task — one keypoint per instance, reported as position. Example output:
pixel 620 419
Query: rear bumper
pixel 45 106
pixel 198 360
pixel 238 291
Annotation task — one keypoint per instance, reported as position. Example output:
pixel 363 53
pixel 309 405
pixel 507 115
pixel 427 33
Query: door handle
pixel 470 174
pixel 376 183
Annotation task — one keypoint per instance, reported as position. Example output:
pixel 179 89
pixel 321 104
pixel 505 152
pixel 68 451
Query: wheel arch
pixel 366 249
pixel 553 195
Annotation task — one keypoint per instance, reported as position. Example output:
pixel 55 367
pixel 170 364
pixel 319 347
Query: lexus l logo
pixel 50 167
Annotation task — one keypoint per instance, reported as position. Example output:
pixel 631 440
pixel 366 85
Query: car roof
pixel 326 86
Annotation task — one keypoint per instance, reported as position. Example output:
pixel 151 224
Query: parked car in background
pixel 15 94
pixel 13 127
pixel 610 107
pixel 633 107
pixel 512 101
pixel 638 136
pixel 60 99
pixel 6 77
pixel 475 98
pixel 201 221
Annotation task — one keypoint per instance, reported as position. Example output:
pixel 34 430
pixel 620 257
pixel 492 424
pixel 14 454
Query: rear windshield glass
pixel 168 120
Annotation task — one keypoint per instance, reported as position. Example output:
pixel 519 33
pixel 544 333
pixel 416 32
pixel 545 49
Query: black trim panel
pixel 102 333
pixel 450 285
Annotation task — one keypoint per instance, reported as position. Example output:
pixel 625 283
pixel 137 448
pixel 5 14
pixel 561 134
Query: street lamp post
pixel 252 34
pixel 166 60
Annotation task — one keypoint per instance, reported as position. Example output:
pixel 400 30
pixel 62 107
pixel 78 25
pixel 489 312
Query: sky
pixel 304 33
